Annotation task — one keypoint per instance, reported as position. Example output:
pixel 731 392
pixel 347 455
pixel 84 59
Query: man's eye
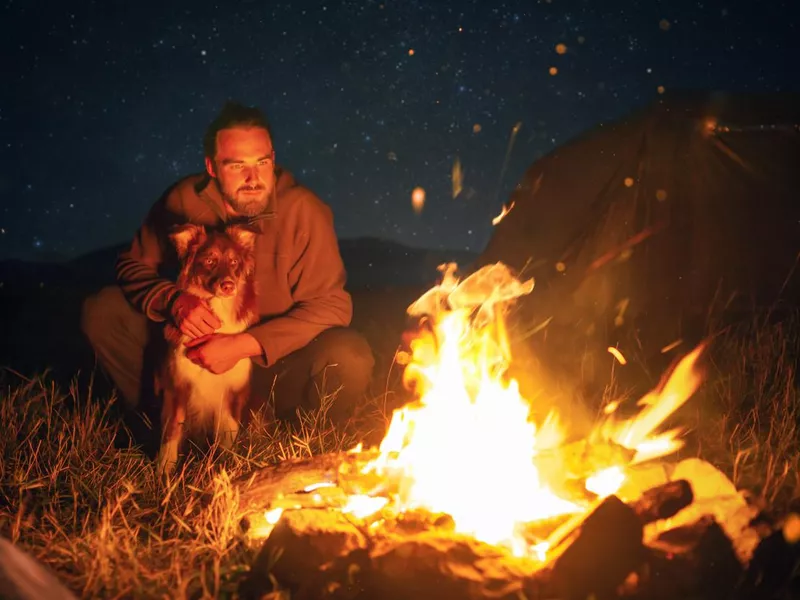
pixel 265 163
pixel 235 166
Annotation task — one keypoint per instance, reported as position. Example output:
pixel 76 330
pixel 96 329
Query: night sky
pixel 104 103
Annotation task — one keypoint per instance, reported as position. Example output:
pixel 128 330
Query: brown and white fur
pixel 217 266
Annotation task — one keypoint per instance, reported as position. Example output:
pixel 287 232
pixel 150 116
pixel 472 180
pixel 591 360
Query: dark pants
pixel 337 363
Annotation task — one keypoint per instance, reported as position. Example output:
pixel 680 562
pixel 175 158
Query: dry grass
pixel 99 517
pixel 749 410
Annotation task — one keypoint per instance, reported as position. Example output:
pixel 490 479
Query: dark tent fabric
pixel 688 208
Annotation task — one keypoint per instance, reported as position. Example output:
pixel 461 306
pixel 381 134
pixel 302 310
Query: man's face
pixel 244 168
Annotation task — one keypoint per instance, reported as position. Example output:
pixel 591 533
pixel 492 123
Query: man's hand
pixel 193 317
pixel 219 352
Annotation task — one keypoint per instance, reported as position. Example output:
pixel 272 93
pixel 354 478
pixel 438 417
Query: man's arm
pixel 317 277
pixel 138 266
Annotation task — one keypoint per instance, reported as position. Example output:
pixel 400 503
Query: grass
pixel 97 515
pixel 100 518
pixel 749 412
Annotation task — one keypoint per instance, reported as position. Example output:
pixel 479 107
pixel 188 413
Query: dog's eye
pixel 234 262
pixel 210 261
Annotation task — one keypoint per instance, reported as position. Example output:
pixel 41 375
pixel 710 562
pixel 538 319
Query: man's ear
pixel 185 237
pixel 244 235
pixel 210 168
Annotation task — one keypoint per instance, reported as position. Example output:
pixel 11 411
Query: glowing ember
pixel 467 445
pixel 418 199
pixel 503 213
pixel 618 355
pixel 606 482
pixel 361 506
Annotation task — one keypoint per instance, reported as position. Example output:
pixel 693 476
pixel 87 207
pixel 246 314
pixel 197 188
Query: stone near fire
pixel 301 543
pixel 706 479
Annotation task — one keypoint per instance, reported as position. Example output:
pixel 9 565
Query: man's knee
pixel 101 311
pixel 349 351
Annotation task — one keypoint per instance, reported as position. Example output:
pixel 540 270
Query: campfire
pixel 470 495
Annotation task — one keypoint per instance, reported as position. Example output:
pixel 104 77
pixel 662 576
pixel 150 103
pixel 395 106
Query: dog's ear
pixel 185 237
pixel 244 235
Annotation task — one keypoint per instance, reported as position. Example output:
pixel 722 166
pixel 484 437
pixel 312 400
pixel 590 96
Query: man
pixel 302 345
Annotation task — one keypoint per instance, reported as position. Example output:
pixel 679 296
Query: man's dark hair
pixel 232 114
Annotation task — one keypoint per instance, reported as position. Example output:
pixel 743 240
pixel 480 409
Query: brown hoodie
pixel 299 276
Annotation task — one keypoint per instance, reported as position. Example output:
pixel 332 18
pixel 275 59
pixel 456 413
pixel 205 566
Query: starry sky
pixel 104 103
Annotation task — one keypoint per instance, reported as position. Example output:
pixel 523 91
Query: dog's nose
pixel 227 286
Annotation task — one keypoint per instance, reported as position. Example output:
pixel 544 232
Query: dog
pixel 218 266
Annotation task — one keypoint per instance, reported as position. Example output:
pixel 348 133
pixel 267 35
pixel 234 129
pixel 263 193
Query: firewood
pixel 284 484
pixel 441 566
pixel 597 557
pixel 597 554
pixel 663 501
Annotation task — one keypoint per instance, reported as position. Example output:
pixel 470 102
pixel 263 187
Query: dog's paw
pixel 167 458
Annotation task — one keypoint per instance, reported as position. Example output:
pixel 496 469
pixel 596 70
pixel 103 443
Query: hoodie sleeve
pixel 139 268
pixel 317 278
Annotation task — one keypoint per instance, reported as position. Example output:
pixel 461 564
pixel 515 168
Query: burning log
pixel 663 501
pixel 438 566
pixel 598 555
pixel 298 483
pixel 320 554
pixel 414 555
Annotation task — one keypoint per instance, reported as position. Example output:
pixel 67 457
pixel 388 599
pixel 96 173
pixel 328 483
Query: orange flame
pixel 467 445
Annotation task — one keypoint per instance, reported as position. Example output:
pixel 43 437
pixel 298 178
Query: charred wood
pixel 597 558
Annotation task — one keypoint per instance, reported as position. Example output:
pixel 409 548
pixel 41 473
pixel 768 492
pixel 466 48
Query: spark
pixel 622 306
pixel 505 210
pixel 418 199
pixel 511 139
pixel 618 355
pixel 457 177
pixel 671 346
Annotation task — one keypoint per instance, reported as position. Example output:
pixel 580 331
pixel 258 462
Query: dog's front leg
pixel 229 418
pixel 173 419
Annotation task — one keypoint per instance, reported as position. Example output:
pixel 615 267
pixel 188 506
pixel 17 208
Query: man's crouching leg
pixel 118 334
pixel 334 371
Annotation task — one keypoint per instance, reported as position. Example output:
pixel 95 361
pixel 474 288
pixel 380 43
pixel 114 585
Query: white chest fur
pixel 209 392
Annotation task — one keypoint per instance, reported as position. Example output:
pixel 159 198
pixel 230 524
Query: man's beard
pixel 250 205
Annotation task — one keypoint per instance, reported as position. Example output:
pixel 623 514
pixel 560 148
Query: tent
pixel 687 209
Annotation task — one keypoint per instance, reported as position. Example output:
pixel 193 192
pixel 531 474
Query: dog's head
pixel 217 261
